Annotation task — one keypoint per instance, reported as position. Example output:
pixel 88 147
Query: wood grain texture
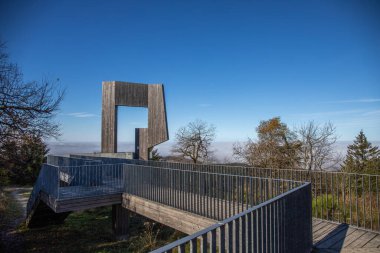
pixel 78 204
pixel 109 118
pixel 131 94
pixel 178 219
pixel 157 123
pixel 152 96
pixel 335 237
pixel 141 144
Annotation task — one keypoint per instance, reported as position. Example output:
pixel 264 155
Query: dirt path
pixel 11 240
pixel 21 196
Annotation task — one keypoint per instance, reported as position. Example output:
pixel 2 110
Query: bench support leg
pixel 120 221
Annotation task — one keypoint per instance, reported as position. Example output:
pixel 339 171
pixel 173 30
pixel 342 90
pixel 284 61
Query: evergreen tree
pixel 362 156
pixel 155 156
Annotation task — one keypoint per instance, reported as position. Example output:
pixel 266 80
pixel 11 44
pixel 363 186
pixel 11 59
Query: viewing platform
pixel 220 209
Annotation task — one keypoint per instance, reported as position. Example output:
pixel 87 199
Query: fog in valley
pixel 223 150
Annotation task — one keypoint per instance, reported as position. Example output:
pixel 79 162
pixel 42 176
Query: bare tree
pixel 194 141
pixel 317 149
pixel 26 108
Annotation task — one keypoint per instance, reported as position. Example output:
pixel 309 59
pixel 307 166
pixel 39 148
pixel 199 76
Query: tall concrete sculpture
pixel 150 96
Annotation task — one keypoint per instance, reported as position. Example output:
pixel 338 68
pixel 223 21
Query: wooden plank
pixel 359 250
pixel 87 206
pixel 374 243
pixel 156 207
pixel 362 240
pixel 340 234
pixel 324 232
pixel 180 220
pixel 90 198
pixel 320 226
pixel 321 229
pixel 316 222
pixel 348 239
pixel 67 204
pixel 87 203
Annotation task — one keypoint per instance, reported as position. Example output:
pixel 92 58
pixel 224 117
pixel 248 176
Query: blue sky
pixel 230 63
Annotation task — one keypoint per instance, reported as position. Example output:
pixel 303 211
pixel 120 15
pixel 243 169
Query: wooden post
pixel 120 221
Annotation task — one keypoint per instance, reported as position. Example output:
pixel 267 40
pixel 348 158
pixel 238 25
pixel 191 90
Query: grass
pixel 87 231
pixel 90 231
pixel 346 210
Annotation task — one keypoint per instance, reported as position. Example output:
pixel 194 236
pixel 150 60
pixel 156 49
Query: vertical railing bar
pixel 344 198
pixel 222 239
pixel 204 243
pixel 243 234
pixel 213 241
pixel 363 200
pixel 377 203
pixel 249 231
pixel 230 247
pixel 327 196
pixel 332 196
pixel 370 200
pixel 193 245
pixel 321 193
pixel 349 192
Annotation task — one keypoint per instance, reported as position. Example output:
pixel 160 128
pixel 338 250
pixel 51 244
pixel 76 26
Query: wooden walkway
pixel 331 237
pixel 328 237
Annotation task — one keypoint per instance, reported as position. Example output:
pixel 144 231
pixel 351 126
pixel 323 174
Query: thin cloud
pixel 82 115
pixel 327 113
pixel 204 105
pixel 372 113
pixel 364 100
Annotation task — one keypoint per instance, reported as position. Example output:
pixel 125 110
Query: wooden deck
pixel 331 237
pixel 328 237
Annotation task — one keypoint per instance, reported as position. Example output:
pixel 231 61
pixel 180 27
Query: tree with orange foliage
pixel 277 146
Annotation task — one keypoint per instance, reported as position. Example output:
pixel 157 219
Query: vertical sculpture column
pixel 120 221
pixel 109 118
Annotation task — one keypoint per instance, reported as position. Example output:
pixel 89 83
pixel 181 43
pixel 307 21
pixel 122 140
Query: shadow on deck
pixel 331 237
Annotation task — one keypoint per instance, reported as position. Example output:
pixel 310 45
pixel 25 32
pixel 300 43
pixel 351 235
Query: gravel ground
pixel 12 242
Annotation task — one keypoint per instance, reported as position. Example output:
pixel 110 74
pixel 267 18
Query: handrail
pixel 351 198
pixel 236 200
pixel 47 181
pixel 190 164
pixel 190 238
pixel 212 195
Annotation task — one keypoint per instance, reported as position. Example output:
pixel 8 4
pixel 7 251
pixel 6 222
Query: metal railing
pixel 281 224
pixel 255 214
pixel 215 196
pixel 70 161
pixel 90 180
pixel 47 181
pixel 350 198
